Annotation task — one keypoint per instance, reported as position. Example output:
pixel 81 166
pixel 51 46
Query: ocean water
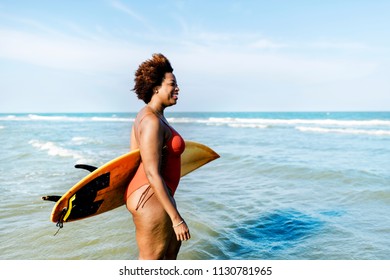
pixel 288 186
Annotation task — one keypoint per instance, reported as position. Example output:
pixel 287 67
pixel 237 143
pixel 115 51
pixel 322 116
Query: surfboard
pixel 103 189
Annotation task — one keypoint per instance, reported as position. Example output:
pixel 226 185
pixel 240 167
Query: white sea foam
pixel 247 125
pixel 368 127
pixel 293 122
pixel 63 118
pixel 33 117
pixel 79 140
pixel 111 119
pixel 187 120
pixel 344 130
pixel 51 118
pixel 12 118
pixel 217 121
pixel 55 150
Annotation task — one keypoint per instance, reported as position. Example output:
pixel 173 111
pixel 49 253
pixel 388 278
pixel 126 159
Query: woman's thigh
pixel 154 230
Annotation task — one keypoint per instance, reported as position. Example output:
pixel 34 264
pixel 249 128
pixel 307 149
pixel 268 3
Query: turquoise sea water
pixel 287 185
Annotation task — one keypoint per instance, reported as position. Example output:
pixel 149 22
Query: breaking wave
pixel 344 130
pixel 55 150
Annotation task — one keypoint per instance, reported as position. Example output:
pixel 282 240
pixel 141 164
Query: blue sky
pixel 80 56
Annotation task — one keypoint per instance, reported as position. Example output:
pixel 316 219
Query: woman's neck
pixel 157 109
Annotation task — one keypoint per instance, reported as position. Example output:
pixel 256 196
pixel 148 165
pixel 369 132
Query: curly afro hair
pixel 150 74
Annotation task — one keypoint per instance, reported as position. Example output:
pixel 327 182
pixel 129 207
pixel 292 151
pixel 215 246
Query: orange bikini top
pixel 171 159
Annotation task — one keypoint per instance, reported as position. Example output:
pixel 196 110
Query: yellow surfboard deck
pixel 103 189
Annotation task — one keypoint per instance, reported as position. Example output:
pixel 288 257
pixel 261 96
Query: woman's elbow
pixel 152 177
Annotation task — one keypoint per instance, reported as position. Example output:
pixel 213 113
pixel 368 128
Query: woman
pixel 149 197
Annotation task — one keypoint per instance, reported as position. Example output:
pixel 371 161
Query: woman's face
pixel 169 90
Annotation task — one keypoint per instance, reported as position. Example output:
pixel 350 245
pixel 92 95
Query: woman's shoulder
pixel 146 116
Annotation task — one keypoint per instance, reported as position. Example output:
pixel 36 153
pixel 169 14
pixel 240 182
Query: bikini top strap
pixel 166 123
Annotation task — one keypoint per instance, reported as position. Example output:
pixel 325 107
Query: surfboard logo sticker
pixel 69 208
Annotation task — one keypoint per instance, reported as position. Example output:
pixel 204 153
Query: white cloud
pixel 122 7
pixel 267 44
pixel 250 67
pixel 338 45
pixel 219 60
pixel 64 52
pixel 134 15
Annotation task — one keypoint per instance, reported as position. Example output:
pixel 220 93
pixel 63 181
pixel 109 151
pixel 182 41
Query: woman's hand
pixel 181 230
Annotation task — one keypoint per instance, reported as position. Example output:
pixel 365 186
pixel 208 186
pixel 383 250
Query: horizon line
pixel 206 111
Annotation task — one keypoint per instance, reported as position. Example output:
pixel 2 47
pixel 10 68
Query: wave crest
pixel 54 150
pixel 344 130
